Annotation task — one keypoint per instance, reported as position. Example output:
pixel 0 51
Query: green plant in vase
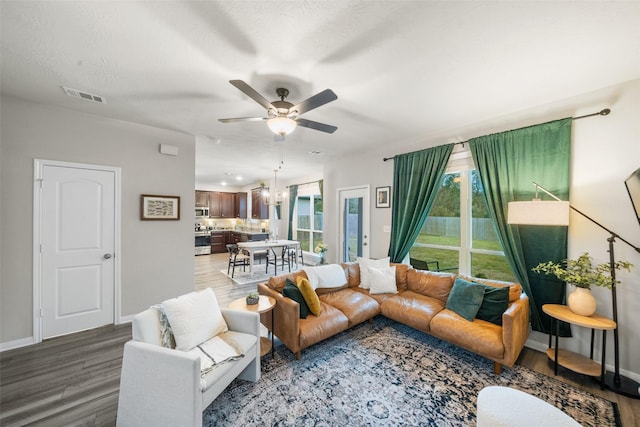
pixel 582 273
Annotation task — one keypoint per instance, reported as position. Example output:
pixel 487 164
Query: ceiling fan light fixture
pixel 281 125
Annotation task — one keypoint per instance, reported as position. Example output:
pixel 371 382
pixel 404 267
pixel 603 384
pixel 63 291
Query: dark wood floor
pixel 73 380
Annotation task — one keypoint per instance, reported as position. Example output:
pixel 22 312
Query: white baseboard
pixel 22 342
pixel 126 319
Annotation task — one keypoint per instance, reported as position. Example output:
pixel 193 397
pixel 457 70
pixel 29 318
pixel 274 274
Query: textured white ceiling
pixel 403 70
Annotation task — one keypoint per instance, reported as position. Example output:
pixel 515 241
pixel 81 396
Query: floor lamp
pixel 538 212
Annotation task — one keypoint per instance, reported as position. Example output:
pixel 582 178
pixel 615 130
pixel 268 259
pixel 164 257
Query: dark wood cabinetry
pixel 241 205
pixel 227 205
pixel 202 199
pixel 215 204
pixel 222 204
pixel 218 243
pixel 259 210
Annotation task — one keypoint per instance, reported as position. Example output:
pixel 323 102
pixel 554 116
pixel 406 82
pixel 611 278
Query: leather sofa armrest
pixel 286 321
pixel 515 329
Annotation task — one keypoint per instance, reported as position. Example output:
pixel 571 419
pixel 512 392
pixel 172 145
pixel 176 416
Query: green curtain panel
pixel 293 194
pixel 508 163
pixel 321 186
pixel 416 179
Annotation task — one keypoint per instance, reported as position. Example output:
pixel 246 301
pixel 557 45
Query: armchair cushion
pixel 194 318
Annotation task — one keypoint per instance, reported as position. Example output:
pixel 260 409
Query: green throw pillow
pixel 495 302
pixel 465 298
pixel 290 290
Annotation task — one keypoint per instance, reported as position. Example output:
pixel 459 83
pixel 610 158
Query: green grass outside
pixel 482 265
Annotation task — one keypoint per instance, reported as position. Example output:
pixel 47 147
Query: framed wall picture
pixel 159 207
pixel 383 197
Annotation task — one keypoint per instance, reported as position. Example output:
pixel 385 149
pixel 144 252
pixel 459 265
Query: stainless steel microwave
pixel 202 212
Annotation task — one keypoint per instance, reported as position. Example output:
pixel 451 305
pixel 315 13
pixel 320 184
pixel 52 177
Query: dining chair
pixel 236 258
pixel 280 255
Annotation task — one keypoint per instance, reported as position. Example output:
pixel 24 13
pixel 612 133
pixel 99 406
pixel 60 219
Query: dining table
pixel 269 245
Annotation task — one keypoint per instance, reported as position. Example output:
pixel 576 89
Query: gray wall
pixel 157 256
pixel 605 150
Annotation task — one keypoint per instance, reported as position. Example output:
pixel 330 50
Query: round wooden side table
pixel 573 361
pixel 265 304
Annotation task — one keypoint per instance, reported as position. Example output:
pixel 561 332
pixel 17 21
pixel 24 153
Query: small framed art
pixel 159 207
pixel 383 197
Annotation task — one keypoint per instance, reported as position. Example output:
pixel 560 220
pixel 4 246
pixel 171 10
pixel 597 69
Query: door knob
pixel 106 256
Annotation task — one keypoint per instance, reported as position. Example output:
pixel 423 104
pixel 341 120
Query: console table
pixel 573 361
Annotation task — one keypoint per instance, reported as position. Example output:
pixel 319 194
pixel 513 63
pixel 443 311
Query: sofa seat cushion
pixel 357 306
pixel 380 298
pixel 478 336
pixel 314 329
pixel 241 342
pixel 412 309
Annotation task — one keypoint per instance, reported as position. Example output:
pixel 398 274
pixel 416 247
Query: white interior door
pixel 354 223
pixel 77 245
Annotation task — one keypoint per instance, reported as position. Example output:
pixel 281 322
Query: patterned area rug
pixel 386 373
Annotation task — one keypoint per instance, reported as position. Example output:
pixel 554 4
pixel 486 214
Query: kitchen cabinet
pixel 202 199
pixel 241 205
pixel 227 205
pixel 222 204
pixel 215 204
pixel 259 210
pixel 218 243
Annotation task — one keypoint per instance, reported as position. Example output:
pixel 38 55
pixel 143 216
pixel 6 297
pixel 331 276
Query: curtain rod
pixel 305 183
pixel 604 112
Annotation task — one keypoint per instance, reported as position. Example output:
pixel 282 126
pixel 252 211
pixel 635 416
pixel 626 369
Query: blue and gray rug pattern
pixel 388 374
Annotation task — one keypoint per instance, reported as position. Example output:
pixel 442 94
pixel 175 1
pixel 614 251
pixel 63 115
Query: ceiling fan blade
pixel 315 101
pixel 316 125
pixel 251 93
pixel 243 119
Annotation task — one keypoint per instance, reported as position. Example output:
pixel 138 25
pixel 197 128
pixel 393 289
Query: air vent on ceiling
pixel 84 95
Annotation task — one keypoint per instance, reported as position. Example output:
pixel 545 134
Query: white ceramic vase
pixel 581 301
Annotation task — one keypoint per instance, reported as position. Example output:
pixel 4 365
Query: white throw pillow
pixel 194 318
pixel 365 264
pixel 383 280
pixel 326 276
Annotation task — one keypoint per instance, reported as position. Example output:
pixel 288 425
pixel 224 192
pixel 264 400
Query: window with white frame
pixel 458 235
pixel 308 217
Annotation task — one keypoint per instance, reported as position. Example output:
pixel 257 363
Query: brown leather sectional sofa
pixel 419 303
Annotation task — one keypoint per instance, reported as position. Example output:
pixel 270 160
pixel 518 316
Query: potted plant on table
pixel 253 298
pixel 321 249
pixel 582 273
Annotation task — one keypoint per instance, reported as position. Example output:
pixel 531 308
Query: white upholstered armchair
pixel 163 386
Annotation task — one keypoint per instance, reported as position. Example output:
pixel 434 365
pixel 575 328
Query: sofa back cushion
pixel 430 283
pixel 352 271
pixel 401 275
pixel 277 282
pixel 515 289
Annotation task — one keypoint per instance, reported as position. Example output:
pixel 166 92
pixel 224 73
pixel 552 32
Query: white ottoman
pixel 508 407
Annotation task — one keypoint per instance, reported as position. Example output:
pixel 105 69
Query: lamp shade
pixel 538 212
pixel 281 125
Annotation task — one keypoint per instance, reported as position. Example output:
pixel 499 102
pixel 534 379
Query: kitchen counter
pixel 221 238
